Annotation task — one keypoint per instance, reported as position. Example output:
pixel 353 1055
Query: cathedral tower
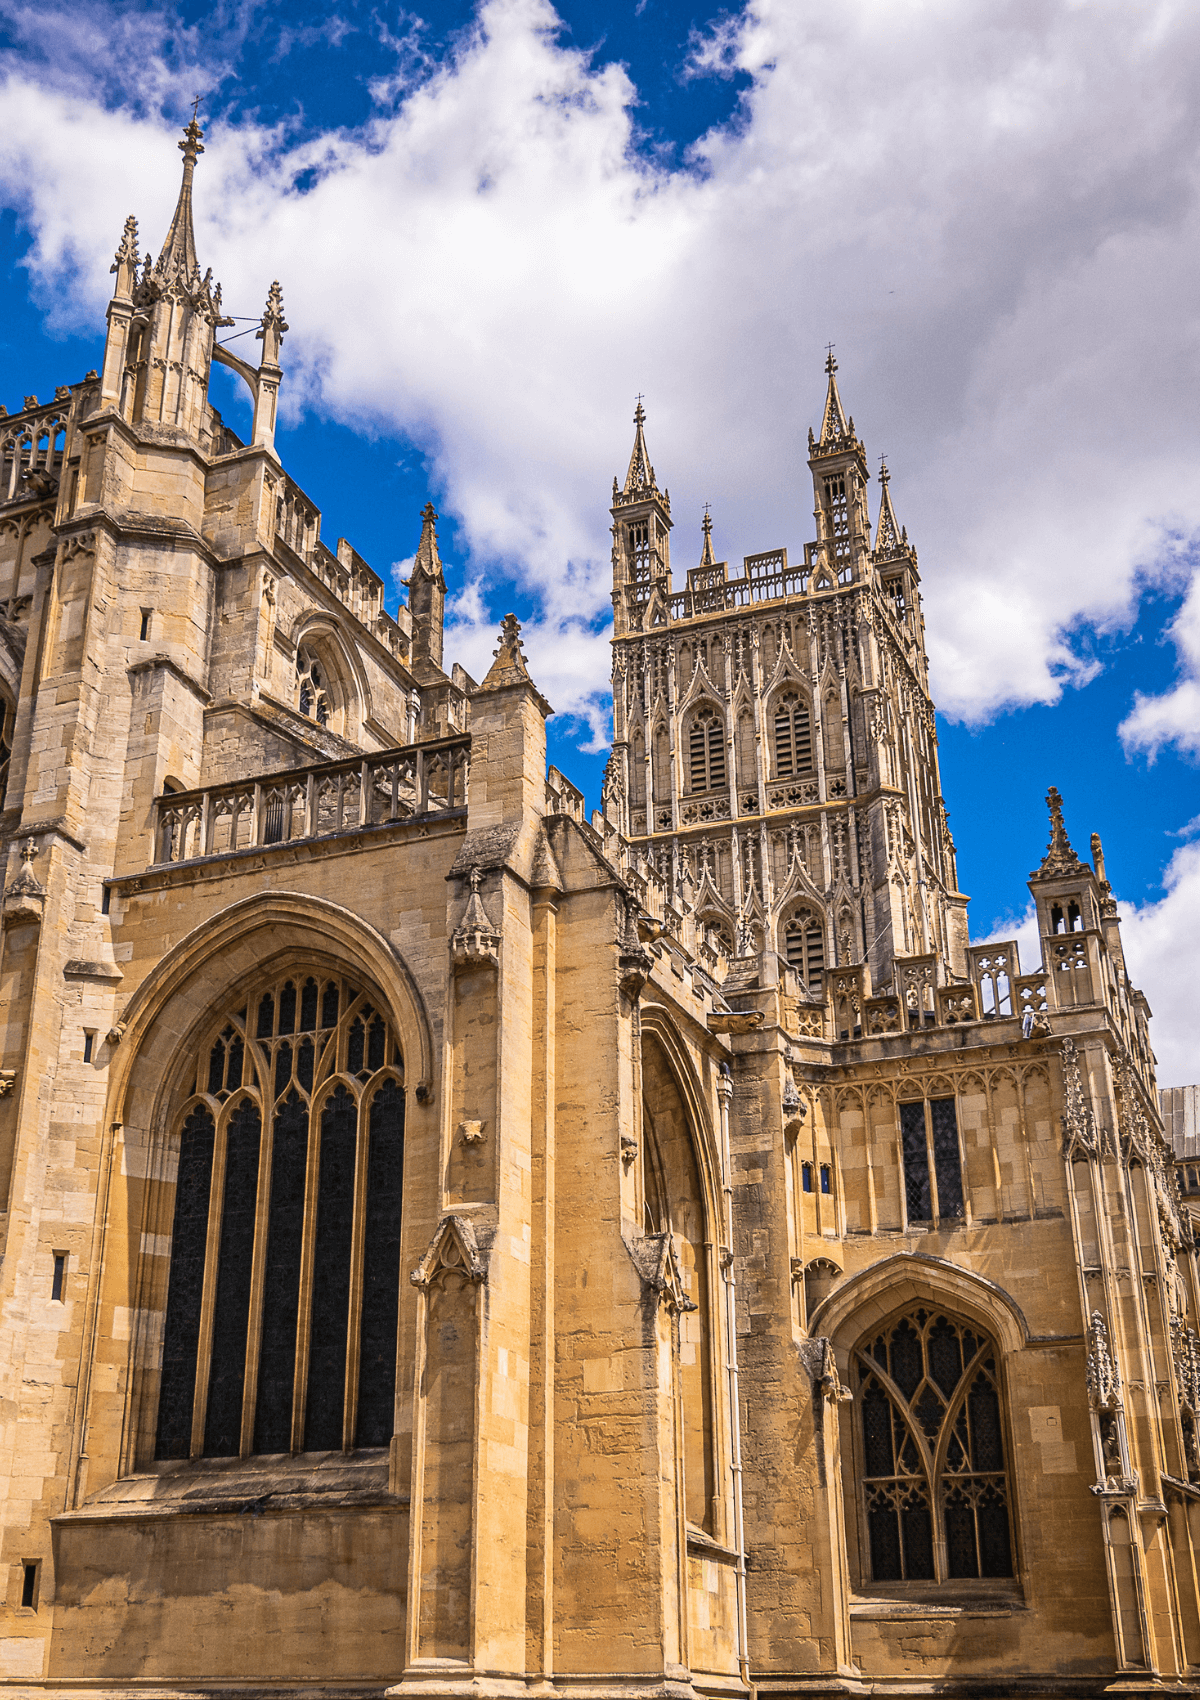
pixel 775 749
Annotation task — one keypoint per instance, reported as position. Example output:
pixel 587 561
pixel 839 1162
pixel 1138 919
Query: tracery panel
pixel 934 1490
pixel 290 1164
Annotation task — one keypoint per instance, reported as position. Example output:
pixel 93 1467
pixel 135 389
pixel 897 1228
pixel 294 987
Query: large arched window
pixel 791 725
pixel 283 1299
pixel 804 947
pixel 933 1482
pixel 706 750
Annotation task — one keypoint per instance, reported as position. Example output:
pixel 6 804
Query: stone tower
pixel 775 750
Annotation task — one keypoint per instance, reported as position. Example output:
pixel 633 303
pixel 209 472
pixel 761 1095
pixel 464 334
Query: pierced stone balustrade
pixel 31 449
pixel 312 802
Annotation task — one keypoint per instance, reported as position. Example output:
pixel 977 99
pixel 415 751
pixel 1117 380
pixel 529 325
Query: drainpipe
pixel 725 1094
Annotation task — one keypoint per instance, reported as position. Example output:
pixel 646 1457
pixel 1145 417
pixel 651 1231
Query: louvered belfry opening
pixel 706 751
pixel 792 724
pixel 283 1296
pixel 804 948
pixel 934 1490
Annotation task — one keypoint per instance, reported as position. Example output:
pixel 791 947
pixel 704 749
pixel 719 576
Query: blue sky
pixel 495 224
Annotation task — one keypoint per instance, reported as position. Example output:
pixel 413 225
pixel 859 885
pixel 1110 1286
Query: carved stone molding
pixel 657 1262
pixel 453 1247
pixel 475 942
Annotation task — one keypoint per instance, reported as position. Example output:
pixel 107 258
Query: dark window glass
pixel 377 1045
pixel 381 1268
pixel 236 1057
pixel 329 1005
pixel 355 1047
pixel 806 1177
pixel 331 1275
pixel 304 1064
pixel 283 1069
pixel 181 1332
pixel 287 1009
pixel 946 1158
pixel 231 1309
pixel 308 1006
pixel 826 1178
pixel 281 1286
pixel 266 1017
pixel 916 1162
pixel 924 1373
pixel 216 1068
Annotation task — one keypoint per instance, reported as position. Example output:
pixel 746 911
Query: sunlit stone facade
pixel 457 1247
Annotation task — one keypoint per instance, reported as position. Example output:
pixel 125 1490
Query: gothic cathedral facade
pixel 459 1247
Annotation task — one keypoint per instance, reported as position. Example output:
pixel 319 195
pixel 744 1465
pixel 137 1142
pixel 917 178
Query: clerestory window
pixel 706 751
pixel 933 1189
pixel 283 1296
pixel 792 724
pixel 934 1492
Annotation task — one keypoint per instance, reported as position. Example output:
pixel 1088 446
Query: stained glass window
pixel 291 1155
pixel 935 1490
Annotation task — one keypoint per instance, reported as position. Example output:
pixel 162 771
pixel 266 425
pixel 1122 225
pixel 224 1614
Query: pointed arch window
pixel 312 696
pixel 283 1293
pixel 791 724
pixel 935 1496
pixel 804 947
pixel 706 750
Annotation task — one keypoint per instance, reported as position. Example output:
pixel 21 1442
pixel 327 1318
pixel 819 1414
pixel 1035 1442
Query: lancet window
pixel 935 1497
pixel 792 725
pixel 933 1189
pixel 838 511
pixel 706 750
pixel 283 1295
pixel 639 551
pixel 312 698
pixel 804 947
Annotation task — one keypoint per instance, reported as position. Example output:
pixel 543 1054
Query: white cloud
pixel 1174 716
pixel 992 212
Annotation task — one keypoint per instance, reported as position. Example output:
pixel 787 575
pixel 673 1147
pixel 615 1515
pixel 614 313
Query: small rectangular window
pixel 89 1039
pixel 105 898
pixel 806 1176
pixel 826 1178
pixel 60 1276
pixel 29 1581
pixel 916 1162
pixel 145 631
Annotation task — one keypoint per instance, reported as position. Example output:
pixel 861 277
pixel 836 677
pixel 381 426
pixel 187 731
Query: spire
pixel 889 538
pixel 639 480
pixel 835 427
pixel 1060 861
pixel 428 560
pixel 176 272
pixel 707 558
pixel 177 263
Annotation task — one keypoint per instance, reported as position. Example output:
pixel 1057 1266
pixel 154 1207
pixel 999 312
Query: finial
pixel 885 476
pixel 1060 859
pixel 639 412
pixel 193 136
pixel 831 364
pixel 707 559
pixel 429 514
pixel 510 634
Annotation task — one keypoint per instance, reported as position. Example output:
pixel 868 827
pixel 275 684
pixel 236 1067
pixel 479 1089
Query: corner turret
pixel 427 597
pixel 641 538
pixel 839 471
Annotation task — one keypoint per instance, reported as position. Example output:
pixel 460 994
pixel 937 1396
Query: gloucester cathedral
pixel 454 1245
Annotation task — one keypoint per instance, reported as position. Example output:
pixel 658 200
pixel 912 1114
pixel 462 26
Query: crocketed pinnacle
pixel 835 427
pixel 509 666
pixel 707 558
pixel 640 476
pixel 428 559
pixel 1060 860
pixel 178 263
pixel 889 539
pixel 176 272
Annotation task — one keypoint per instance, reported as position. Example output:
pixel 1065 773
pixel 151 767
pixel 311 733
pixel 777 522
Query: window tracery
pixel 283 1293
pixel 312 697
pixel 935 1495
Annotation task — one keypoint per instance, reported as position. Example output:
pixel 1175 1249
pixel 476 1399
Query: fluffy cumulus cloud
pixel 990 209
pixel 1172 717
